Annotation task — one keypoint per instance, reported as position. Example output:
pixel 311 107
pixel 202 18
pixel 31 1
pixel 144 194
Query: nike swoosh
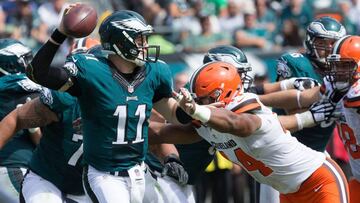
pixel 318 188
pixel 74 59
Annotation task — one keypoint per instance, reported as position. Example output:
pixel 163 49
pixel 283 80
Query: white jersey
pixel 349 127
pixel 271 155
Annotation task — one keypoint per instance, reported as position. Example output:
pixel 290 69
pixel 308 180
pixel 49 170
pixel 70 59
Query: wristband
pixel 298 94
pixel 57 37
pixel 287 84
pixel 304 119
pixel 201 113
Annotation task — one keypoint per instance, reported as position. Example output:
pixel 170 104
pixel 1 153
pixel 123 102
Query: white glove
pixel 301 83
pixel 320 111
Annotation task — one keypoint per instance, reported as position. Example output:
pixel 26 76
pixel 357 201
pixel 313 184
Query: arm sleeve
pixel 40 72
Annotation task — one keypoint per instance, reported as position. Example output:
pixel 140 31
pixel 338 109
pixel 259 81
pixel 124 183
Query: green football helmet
pixel 14 57
pixel 234 56
pixel 120 33
pixel 321 34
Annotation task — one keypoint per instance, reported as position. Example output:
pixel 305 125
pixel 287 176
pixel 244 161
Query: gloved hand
pixel 331 91
pixel 174 168
pixel 322 111
pixel 301 83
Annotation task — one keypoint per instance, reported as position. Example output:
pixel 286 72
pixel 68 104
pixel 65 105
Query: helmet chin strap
pixel 137 61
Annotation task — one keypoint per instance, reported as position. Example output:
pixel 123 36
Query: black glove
pixel 174 168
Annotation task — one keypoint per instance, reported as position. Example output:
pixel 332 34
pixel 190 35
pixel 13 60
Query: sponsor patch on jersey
pixel 71 68
pixel 46 96
pixel 29 85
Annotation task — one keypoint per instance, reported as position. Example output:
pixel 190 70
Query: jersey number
pixel 252 164
pixel 77 154
pixel 121 113
pixel 349 139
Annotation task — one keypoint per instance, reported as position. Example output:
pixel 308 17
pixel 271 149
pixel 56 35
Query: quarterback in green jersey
pixel 15 90
pixel 116 94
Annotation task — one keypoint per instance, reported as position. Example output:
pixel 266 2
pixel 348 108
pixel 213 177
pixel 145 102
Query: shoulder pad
pixel 244 103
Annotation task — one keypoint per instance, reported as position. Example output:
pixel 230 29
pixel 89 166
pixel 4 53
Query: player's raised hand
pixel 78 20
pixel 185 101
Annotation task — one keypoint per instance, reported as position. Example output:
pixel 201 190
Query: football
pixel 80 20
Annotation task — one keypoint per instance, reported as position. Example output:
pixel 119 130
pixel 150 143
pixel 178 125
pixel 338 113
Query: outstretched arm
pixel 291 99
pixel 172 133
pixel 30 115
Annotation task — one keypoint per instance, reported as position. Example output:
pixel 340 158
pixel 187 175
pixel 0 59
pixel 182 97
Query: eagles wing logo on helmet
pixel 132 25
pixel 15 49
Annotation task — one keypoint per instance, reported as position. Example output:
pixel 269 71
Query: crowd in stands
pixel 194 25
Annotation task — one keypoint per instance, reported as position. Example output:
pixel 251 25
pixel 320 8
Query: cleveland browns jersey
pixel 271 155
pixel 349 127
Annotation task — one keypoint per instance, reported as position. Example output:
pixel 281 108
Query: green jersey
pixel 56 159
pixel 14 91
pixel 299 65
pixel 115 110
pixel 196 157
pixel 153 162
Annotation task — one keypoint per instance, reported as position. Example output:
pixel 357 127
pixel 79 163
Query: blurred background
pixel 185 30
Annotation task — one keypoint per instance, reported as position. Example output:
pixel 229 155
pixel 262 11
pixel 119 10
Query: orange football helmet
pixel 82 45
pixel 217 80
pixel 344 60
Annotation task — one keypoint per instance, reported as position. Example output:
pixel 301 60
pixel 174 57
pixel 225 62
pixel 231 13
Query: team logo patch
pixel 283 70
pixel 46 96
pixel 71 68
pixel 29 85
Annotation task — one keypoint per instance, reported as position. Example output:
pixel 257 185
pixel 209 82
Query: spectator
pixel 252 36
pixel 266 18
pixel 50 12
pixel 234 18
pixel 24 23
pixel 299 12
pixel 207 39
pixel 347 11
